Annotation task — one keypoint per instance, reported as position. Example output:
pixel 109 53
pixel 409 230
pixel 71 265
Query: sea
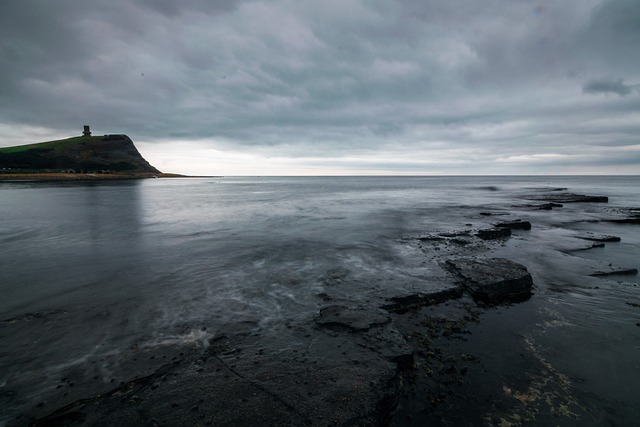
pixel 90 270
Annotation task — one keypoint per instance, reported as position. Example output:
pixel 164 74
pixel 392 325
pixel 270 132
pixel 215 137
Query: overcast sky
pixel 290 87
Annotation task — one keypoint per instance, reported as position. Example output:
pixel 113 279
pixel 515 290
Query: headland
pixel 86 157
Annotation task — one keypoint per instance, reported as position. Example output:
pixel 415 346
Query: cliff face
pixel 88 154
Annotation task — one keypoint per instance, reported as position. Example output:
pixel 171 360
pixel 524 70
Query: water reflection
pixel 62 238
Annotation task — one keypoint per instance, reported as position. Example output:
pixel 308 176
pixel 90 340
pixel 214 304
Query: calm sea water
pixel 90 269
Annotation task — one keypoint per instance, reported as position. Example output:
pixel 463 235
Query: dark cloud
pixel 607 86
pixel 172 8
pixel 330 79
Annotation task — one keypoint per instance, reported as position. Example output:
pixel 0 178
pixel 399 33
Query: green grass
pixel 50 144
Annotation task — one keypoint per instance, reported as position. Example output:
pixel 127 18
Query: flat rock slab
pixel 494 233
pixel 210 393
pixel 351 318
pixel 515 225
pixel 624 215
pixel 599 237
pixel 402 304
pixel 586 248
pixel 370 329
pixel 182 396
pixel 630 220
pixel 494 214
pixel 542 207
pixel 492 280
pixel 616 272
pixel 569 198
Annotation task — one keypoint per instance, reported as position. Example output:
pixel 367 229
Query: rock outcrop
pixel 599 237
pixel 402 304
pixel 515 225
pixel 569 198
pixel 492 280
pixel 494 233
pixel 616 271
pixel 336 316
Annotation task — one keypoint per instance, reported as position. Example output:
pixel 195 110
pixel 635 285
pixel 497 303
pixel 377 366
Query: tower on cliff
pixel 86 131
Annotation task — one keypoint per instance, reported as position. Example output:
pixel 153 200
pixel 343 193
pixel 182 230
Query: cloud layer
pixel 607 86
pixel 282 86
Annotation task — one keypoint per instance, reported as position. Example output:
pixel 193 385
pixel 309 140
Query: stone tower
pixel 86 131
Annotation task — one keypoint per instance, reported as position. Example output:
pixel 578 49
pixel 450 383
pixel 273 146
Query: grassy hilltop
pixel 104 155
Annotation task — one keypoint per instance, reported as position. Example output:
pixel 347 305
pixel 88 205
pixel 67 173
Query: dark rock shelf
pixel 569 198
pixel 515 225
pixel 599 237
pixel 494 233
pixel 492 280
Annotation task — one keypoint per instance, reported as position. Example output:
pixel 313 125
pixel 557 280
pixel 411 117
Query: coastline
pixel 54 176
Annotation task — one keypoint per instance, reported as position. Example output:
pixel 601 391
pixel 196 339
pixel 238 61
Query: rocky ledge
pixel 568 198
pixel 492 280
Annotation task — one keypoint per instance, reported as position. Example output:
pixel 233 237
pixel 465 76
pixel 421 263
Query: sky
pixel 332 87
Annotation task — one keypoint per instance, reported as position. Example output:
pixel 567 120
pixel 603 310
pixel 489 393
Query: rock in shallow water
pixel 599 237
pixel 402 304
pixel 351 318
pixel 492 280
pixel 616 271
pixel 515 225
pixel 494 233
pixel 569 198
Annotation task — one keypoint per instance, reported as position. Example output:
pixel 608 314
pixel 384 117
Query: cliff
pixel 108 154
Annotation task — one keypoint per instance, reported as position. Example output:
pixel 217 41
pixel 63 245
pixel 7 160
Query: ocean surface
pixel 91 270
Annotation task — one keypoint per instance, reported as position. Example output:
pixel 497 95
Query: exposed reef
pixel 518 224
pixel 492 280
pixel 599 237
pixel 615 271
pixel 568 198
pixel 494 233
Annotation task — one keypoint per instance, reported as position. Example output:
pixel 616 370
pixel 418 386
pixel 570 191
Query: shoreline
pixel 54 176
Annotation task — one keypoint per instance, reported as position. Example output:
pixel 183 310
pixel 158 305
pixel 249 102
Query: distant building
pixel 87 131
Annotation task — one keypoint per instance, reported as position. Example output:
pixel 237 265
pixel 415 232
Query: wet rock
pixel 630 220
pixel 402 304
pixel 593 246
pixel 515 225
pixel 390 344
pixel 492 280
pixel 28 317
pixel 599 237
pixel 220 345
pixel 616 272
pixel 455 234
pixel 351 318
pixel 542 207
pixel 494 233
pixel 452 237
pixel 461 242
pixel 569 198
pixel 431 239
pixel 493 213
pixel 624 215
